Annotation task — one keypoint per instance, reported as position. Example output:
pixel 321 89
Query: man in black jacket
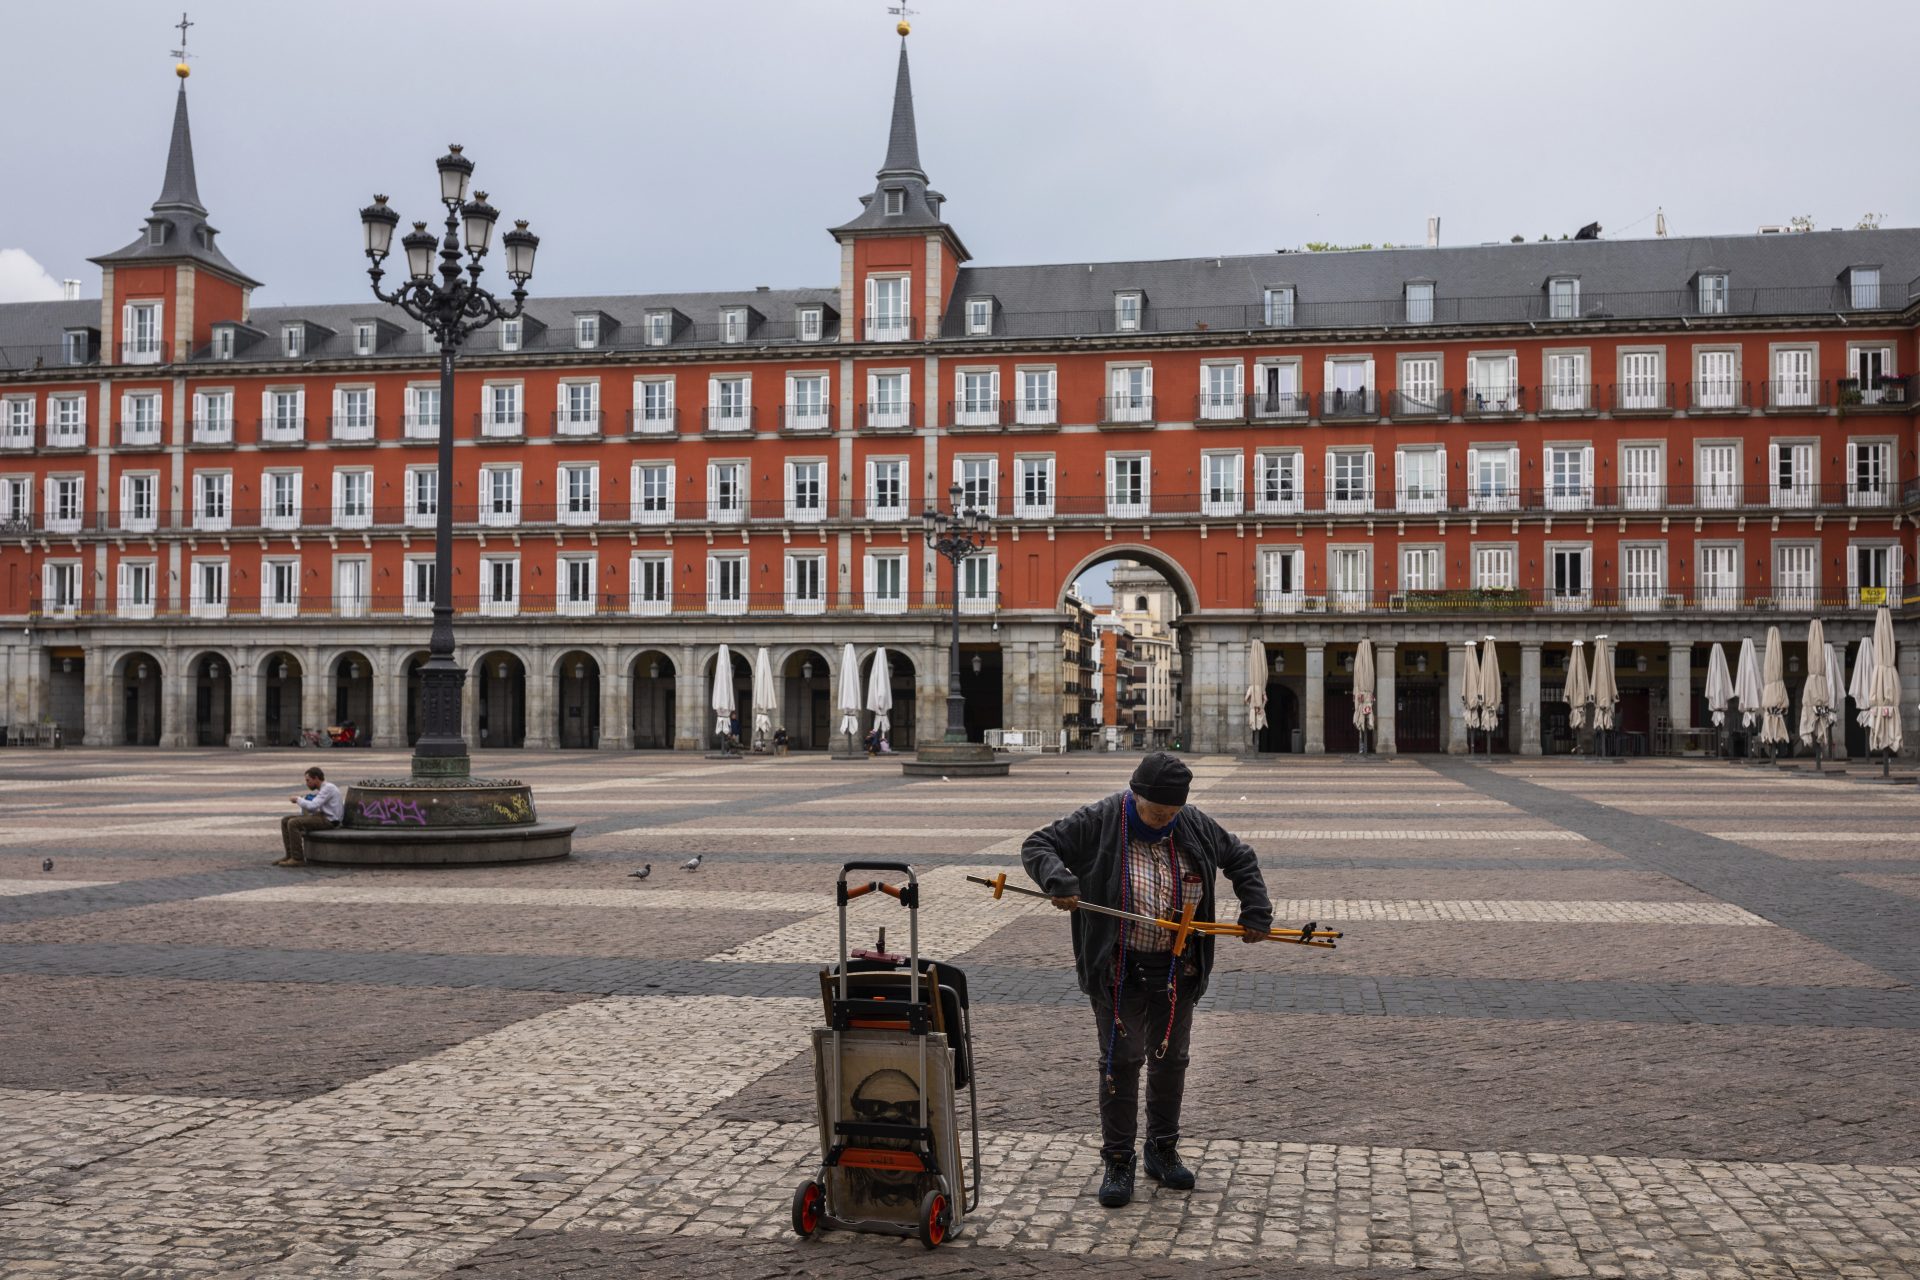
pixel 1143 850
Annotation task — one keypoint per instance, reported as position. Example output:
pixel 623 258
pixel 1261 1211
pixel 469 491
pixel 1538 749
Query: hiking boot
pixel 1164 1167
pixel 1116 1189
pixel 290 862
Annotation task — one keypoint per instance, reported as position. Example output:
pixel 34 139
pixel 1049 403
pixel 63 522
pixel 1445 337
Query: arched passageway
pixel 807 708
pixel 138 714
pixel 577 681
pixel 651 706
pixel 499 688
pixel 212 700
pixel 281 680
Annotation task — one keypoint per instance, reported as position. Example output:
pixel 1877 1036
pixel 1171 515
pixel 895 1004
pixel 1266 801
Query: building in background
pixel 1148 610
pixel 216 519
pixel 1078 667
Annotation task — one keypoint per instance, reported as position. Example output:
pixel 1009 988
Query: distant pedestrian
pixel 1144 850
pixel 323 806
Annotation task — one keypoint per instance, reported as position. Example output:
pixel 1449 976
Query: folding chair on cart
pixel 897 1046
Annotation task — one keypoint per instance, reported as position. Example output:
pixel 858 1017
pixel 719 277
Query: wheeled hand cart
pixel 897 1045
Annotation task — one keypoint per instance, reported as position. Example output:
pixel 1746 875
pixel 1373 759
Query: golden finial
pixel 903 13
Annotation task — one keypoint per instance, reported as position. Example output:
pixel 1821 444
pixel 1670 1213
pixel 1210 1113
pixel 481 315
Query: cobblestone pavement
pixel 1655 1020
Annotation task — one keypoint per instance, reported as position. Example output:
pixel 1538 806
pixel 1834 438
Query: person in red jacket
pixel 1144 850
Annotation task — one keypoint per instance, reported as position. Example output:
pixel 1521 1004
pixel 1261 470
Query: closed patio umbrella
pixel 1489 690
pixel 1256 696
pixel 880 693
pixel 1719 686
pixel 1606 689
pixel 1576 689
pixel 1816 699
pixel 766 702
pixel 1470 693
pixel 1836 679
pixel 1860 688
pixel 1774 698
pixel 1883 693
pixel 1746 683
pixel 1363 686
pixel 724 706
pixel 849 694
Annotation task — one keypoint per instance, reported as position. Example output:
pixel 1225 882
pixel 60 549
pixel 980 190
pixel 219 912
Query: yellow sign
pixel 1873 595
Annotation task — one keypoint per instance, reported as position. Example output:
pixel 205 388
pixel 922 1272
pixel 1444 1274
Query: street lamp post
pixel 452 308
pixel 957 536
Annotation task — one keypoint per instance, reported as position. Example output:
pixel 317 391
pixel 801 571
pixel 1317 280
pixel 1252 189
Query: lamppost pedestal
pixel 957 537
pixel 956 760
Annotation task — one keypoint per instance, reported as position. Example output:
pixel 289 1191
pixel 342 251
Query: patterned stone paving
pixel 1653 1020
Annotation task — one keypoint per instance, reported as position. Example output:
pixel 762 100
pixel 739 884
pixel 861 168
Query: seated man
pixel 322 806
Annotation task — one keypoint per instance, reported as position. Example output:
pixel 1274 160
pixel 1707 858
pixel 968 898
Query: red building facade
pixel 218 519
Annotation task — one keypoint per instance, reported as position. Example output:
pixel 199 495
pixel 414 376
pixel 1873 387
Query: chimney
pixel 1433 232
pixel 70 290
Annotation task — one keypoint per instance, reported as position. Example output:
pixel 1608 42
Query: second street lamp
pixel 451 309
pixel 957 535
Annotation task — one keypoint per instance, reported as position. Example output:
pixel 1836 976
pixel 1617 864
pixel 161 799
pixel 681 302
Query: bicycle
pixel 313 738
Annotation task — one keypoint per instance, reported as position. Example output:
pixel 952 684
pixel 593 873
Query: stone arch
pixel 1142 553
pixel 498 688
pixel 742 692
pixel 350 677
pixel 209 675
pixel 905 679
pixel 281 697
pixel 136 713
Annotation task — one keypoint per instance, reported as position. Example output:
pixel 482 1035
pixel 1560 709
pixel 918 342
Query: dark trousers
pixel 293 832
pixel 1143 1021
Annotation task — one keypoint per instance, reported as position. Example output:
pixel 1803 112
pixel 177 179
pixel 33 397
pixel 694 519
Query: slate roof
pixel 187 233
pixel 900 171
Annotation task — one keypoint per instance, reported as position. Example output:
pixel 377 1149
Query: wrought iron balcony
pixel 1436 403
pixel 1478 403
pixel 1647 397
pixel 1566 399
pixel 1349 406
pixel 1719 395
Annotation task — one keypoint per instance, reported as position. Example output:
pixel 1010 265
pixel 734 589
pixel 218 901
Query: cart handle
pixel 891 890
pixel 901 867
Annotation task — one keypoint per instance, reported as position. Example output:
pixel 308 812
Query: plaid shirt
pixel 1153 891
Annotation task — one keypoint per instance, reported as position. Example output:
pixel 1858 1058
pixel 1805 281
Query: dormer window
pixel 1864 283
pixel 1563 298
pixel 896 201
pixel 223 343
pixel 363 338
pixel 586 332
pixel 509 335
pixel 1279 302
pixel 733 324
pixel 811 324
pixel 293 341
pixel 1420 302
pixel 76 346
pixel 1713 293
pixel 1126 312
pixel 979 315
pixel 659 330
pixel 156 232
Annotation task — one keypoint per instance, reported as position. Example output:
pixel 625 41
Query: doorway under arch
pixel 352 701
pixel 500 692
pixel 807 708
pixel 138 679
pixel 212 700
pixel 577 678
pixel 903 683
pixel 651 707
pixel 742 696
pixel 281 679
pixel 1283 717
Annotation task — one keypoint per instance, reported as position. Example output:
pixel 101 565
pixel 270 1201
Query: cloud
pixel 24 280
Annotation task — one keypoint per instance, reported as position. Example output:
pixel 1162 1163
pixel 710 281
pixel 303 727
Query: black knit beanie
pixel 1162 779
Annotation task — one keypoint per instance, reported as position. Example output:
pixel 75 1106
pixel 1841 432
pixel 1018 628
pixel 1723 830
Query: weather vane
pixel 181 55
pixel 899 11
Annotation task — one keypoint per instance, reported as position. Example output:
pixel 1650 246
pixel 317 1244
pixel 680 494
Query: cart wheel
pixel 808 1200
pixel 935 1217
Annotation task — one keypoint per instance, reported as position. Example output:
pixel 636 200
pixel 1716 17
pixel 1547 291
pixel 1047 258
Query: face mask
pixel 1140 824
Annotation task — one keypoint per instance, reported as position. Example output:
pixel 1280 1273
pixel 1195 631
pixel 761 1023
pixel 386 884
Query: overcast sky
pixel 676 145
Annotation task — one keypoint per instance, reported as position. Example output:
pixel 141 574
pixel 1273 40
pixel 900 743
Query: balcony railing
pixel 353 426
pixel 1720 395
pixel 653 422
pixel 500 424
pixel 576 422
pixel 1347 405
pixel 1641 397
pixel 1896 394
pixel 1282 404
pixel 1569 399
pixel 17 435
pixel 891 328
pixel 977 413
pixel 1036 411
pixel 212 431
pixel 806 417
pixel 283 431
pixel 140 435
pixel 1128 410
pixel 1802 395
pixel 888 415
pixel 730 422
pixel 1493 402
pixel 1421 404
pixel 1220 406
pixel 1527 600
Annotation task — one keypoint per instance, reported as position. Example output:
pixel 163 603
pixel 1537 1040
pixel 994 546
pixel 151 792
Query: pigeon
pixel 693 863
pixel 642 873
pixel 47 865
